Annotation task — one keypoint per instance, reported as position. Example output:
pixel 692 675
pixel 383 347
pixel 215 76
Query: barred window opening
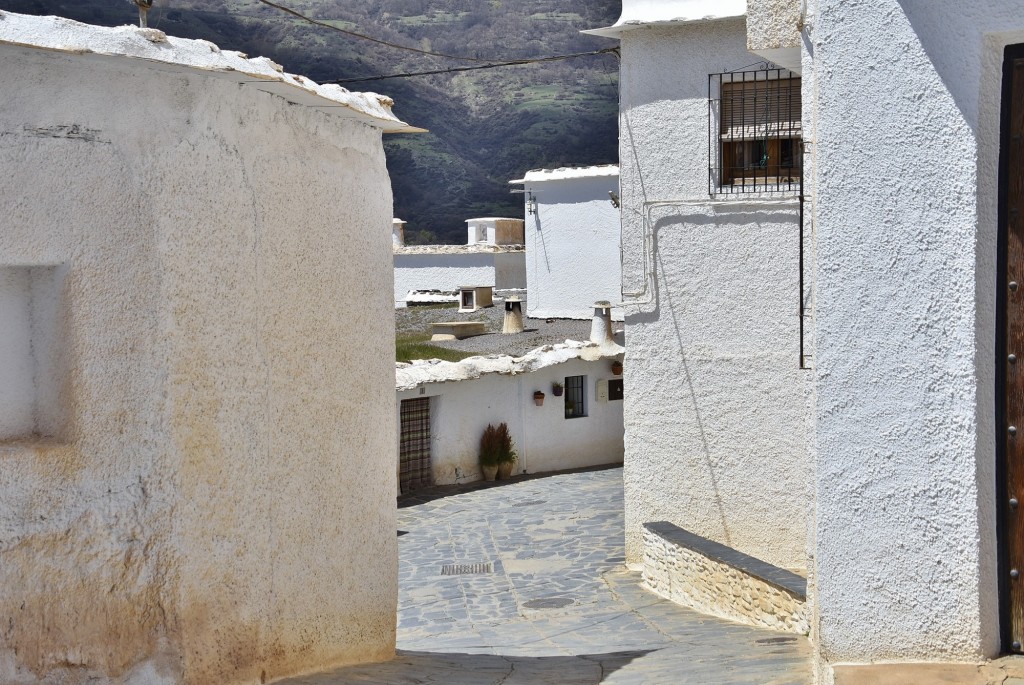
pixel 575 397
pixel 755 132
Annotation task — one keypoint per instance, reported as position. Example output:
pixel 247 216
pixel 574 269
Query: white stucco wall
pixel 544 438
pixel 447 267
pixel 442 271
pixel 572 246
pixel 905 205
pixel 510 270
pixel 218 505
pixel 716 409
pixel 643 14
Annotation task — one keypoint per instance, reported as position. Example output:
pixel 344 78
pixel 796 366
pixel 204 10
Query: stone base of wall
pixel 1006 671
pixel 714 579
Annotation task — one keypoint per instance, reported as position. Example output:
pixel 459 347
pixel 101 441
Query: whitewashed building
pixel 572 240
pixel 711 285
pixel 446 268
pixel 843 320
pixel 443 408
pixel 196 404
pixel 494 231
pixel 493 256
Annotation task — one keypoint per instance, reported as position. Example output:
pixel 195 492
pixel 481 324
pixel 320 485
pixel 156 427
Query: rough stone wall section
pixel 773 24
pixel 691 579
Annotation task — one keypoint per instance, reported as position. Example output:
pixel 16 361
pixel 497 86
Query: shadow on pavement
pixel 427 668
pixel 438 491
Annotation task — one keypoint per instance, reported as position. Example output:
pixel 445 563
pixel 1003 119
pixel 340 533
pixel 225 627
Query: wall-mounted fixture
pixel 614 198
pixel 531 203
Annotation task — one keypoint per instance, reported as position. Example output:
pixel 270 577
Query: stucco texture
pixel 572 247
pixel 906 151
pixel 218 505
pixel 717 410
pixel 442 271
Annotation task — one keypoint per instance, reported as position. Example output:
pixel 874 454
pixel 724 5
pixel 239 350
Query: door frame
pixel 1010 54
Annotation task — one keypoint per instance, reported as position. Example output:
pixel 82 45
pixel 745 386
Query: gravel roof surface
pixel 538 331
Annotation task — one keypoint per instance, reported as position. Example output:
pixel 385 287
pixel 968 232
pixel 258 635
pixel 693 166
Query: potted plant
pixel 617 367
pixel 497 452
pixel 489 453
pixel 557 389
pixel 538 398
pixel 506 452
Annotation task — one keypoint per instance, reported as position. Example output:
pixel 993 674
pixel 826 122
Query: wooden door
pixel 414 468
pixel 1010 414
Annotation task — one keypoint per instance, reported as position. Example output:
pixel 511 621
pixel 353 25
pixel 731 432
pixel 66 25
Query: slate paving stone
pixel 556 537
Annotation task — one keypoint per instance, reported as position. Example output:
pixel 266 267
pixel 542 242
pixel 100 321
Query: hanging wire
pixel 365 37
pixel 492 65
pixel 489 64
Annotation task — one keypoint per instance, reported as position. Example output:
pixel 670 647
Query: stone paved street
pixel 558 606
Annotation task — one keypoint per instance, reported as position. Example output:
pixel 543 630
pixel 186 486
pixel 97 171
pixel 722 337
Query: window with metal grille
pixel 575 396
pixel 755 141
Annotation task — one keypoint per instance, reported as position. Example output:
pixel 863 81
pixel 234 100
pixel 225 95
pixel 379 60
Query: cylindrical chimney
pixel 513 316
pixel 601 328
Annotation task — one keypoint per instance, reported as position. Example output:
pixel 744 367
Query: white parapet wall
pixel 448 267
pixel 465 396
pixel 196 479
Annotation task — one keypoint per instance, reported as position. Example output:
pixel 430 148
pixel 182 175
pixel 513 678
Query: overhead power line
pixel 365 37
pixel 492 65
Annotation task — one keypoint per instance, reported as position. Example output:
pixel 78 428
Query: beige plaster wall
pixel 218 505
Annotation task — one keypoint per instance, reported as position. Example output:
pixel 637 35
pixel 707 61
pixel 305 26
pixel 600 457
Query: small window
pixel 755 117
pixel 575 396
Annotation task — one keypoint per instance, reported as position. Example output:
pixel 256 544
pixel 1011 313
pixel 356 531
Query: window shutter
pixel 755 110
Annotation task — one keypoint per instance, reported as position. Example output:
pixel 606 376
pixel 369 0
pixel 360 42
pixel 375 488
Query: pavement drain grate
pixel 466 569
pixel 776 640
pixel 548 603
pixel 530 503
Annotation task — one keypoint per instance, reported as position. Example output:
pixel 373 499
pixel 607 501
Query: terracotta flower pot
pixel 538 399
pixel 489 472
pixel 505 470
pixel 617 368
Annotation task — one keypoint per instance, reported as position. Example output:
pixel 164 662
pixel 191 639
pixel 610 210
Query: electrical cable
pixel 365 37
pixel 492 65
pixel 489 65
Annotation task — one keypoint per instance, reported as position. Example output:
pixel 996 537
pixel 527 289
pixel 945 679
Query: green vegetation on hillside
pixel 486 127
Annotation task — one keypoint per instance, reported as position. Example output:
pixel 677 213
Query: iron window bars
pixel 755 135
pixel 575 397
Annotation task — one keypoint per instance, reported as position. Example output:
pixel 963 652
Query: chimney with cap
pixel 601 328
pixel 513 316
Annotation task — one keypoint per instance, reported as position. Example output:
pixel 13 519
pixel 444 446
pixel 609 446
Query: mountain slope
pixel 486 127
